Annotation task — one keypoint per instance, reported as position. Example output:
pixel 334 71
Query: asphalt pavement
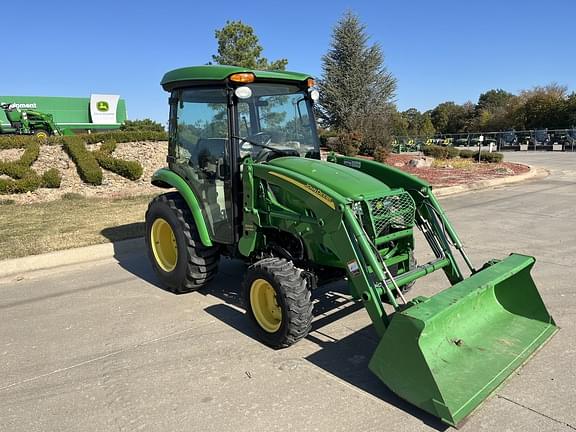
pixel 101 347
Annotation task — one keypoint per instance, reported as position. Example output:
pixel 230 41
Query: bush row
pixel 89 163
pixel 21 141
pixel 23 178
pixel 86 163
pixel 131 170
pixel 442 152
pixel 30 181
pixel 468 154
pixel 489 157
pixel 121 137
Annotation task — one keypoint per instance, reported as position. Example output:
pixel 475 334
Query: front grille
pixel 391 212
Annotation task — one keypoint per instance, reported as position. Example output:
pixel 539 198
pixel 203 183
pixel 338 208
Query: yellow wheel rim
pixel 265 306
pixel 164 245
pixel 41 135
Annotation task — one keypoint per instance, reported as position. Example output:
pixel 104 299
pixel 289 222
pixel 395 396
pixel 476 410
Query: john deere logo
pixel 102 106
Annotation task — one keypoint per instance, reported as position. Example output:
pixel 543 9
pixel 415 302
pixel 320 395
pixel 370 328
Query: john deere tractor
pixel 247 182
pixel 29 122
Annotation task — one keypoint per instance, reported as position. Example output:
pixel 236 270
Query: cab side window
pixel 202 155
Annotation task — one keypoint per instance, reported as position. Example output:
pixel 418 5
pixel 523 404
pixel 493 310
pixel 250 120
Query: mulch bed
pixel 442 177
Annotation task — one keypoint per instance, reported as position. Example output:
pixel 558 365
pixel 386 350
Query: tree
pixel 356 89
pixel 493 111
pixel 545 107
pixel 145 125
pixel 426 127
pixel 493 100
pixel 449 117
pixel 238 45
pixel 417 125
pixel 571 110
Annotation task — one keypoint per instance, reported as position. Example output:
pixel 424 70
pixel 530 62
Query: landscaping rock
pixel 421 162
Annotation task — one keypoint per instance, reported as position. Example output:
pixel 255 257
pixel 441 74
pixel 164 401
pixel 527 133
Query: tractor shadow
pixel 130 250
pixel 344 357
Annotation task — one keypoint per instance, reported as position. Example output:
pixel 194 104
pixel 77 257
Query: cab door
pixel 200 149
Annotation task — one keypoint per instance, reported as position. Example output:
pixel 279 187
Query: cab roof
pixel 195 74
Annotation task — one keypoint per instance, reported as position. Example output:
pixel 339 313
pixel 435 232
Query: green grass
pixel 67 223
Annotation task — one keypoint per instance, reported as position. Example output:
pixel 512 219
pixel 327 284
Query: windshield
pixel 278 116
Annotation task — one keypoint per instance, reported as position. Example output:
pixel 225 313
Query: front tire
pixel 278 301
pixel 179 258
pixel 41 134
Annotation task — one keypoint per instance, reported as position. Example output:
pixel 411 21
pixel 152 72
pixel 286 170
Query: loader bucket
pixel 449 352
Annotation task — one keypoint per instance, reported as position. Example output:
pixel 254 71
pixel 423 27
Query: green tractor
pixel 249 184
pixel 29 122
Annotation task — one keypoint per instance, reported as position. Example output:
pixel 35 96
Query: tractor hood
pixel 346 181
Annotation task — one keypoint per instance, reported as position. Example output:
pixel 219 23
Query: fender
pixel 165 178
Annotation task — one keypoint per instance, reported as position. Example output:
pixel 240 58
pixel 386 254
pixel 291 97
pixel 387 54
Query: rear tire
pixel 178 256
pixel 278 301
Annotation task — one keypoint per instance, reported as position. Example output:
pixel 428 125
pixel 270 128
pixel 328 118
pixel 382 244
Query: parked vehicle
pixel 252 187
pixel 29 122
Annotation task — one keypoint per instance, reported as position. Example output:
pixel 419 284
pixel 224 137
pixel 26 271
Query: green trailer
pixel 248 183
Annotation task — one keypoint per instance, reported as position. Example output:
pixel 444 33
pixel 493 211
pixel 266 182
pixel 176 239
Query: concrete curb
pixel 12 267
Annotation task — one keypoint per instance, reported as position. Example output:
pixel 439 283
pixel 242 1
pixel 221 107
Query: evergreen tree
pixel 239 46
pixel 355 84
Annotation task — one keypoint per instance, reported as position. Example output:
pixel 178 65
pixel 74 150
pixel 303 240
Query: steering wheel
pixel 263 138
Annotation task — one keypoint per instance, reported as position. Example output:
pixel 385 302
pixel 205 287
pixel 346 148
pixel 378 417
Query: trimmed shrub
pixel 28 183
pixel 23 178
pixel 452 152
pixel 441 152
pixel 51 178
pixel 31 153
pixel 489 157
pixel 86 163
pixel 14 169
pixel 467 154
pixel 131 170
pixel 108 147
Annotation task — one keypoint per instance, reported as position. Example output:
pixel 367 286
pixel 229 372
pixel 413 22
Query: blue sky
pixel 438 50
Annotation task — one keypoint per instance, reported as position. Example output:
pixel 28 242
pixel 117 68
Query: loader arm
pixel 445 354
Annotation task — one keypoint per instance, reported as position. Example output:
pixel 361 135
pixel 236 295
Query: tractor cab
pixel 221 115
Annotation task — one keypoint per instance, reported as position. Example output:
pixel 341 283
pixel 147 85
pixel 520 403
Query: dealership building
pixel 95 113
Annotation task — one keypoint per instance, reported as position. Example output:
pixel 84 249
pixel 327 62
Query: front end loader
pixel 248 183
pixel 30 122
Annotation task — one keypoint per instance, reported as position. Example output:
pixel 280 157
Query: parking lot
pixel 99 346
